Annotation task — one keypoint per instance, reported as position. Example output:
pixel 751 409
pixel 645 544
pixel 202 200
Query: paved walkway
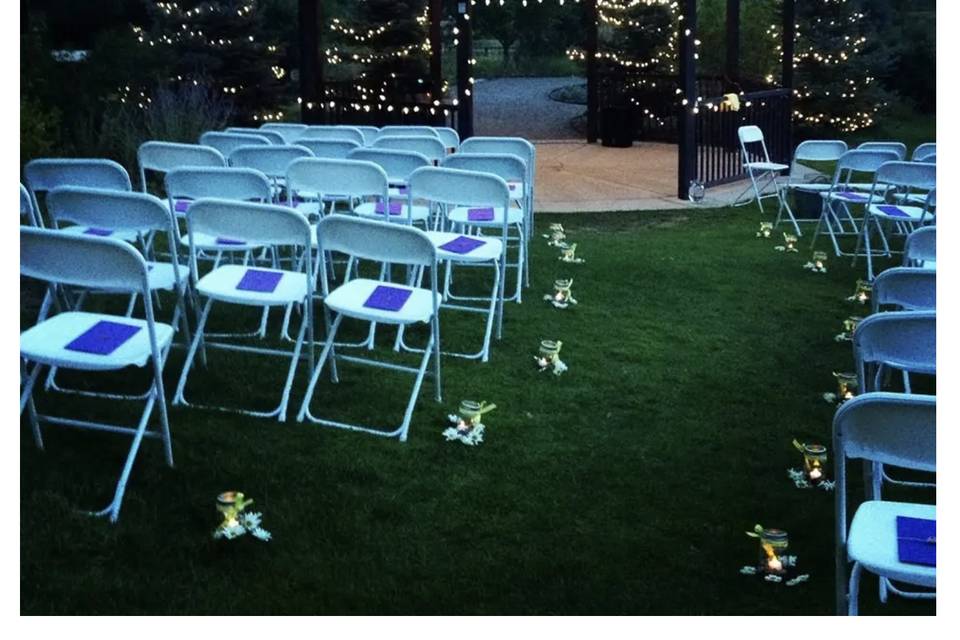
pixel 521 107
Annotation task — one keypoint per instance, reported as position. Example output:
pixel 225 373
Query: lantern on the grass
pixel 773 546
pixel 814 461
pixel 466 425
pixel 230 504
pixel 766 230
pixel 849 327
pixel 562 295
pixel 846 385
pixel 818 264
pixel 549 357
pixel 790 242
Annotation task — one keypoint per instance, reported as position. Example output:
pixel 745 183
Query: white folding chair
pixel 44 174
pixel 404 130
pixel 272 161
pixel 896 147
pixel 369 134
pixel 906 289
pixel 923 151
pixel 167 156
pixel 398 165
pixel 452 190
pixel 378 302
pixel 904 178
pixel 882 429
pixel 289 130
pixel 335 148
pixel 92 341
pixel 902 340
pixel 272 136
pixel 512 170
pixel 428 146
pixel 331 132
pixel 26 207
pixel 761 170
pixel 255 224
pixel 226 141
pixel 807 151
pixel 837 219
pixel 920 248
pixel 449 137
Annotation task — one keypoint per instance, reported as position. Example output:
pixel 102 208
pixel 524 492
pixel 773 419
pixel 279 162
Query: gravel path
pixel 521 107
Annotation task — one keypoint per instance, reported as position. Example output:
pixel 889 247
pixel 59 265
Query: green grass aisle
pixel 696 354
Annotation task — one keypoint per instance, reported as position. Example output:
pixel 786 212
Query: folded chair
pixel 226 141
pixel 808 151
pixel 453 191
pixel 92 341
pixel 920 248
pixel 45 174
pixel 761 170
pixel 289 130
pixel 882 429
pixel 335 132
pixel 837 219
pixel 906 289
pixel 239 285
pixel 428 146
pixel 379 302
pixel 272 136
pixel 905 178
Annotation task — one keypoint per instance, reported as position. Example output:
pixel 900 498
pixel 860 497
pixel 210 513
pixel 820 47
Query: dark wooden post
pixel 733 40
pixel 464 70
pixel 687 162
pixel 591 19
pixel 436 56
pixel 311 60
pixel 789 38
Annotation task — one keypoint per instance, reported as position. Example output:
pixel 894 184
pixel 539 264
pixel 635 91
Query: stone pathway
pixel 522 107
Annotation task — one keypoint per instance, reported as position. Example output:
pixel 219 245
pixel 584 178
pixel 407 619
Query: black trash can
pixel 616 127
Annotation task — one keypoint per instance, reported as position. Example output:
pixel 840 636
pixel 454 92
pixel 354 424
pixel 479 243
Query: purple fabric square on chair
pixel 852 196
pixel 230 241
pixel 917 540
pixel 396 208
pixel 103 338
pixel 97 231
pixel 462 245
pixel 388 298
pixel 402 190
pixel 893 210
pixel 259 280
pixel 480 215
pixel 181 206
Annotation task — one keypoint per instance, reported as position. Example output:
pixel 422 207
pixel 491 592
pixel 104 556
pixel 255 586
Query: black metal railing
pixel 718 157
pixel 343 104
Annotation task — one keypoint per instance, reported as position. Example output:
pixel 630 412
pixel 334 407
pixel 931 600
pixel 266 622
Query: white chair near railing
pixel 884 429
pixel 762 171
pixel 226 141
pixel 94 342
pixel 243 286
pixel 807 151
pixel 44 174
pixel 377 301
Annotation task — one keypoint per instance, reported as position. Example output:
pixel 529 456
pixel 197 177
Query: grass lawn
pixel 697 353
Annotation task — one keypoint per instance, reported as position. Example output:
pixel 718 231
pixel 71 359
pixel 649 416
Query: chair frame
pixel 752 134
pixel 809 150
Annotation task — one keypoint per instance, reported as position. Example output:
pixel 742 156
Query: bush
pixel 39 129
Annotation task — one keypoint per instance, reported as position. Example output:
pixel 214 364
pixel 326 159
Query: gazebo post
pixel 591 18
pixel 464 70
pixel 733 40
pixel 436 54
pixel 687 153
pixel 789 42
pixel 310 14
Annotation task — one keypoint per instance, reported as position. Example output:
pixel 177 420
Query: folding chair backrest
pixel 375 240
pixel 449 137
pixel 26 206
pixel 897 147
pixel 820 150
pixel 929 159
pixel 252 222
pixel 369 134
pixel 429 146
pixel 272 161
pixel 909 289
pixel 924 150
pixel 911 175
pixel 290 131
pixel 752 135
pixel 509 167
pixel 272 136
pixel 332 148
pixel 354 178
pixel 407 130
pixel 118 210
pixel 458 187
pixel 332 133
pixel 398 164
pixel 905 340
pixel 860 161
pixel 167 156
pixel 920 247
pixel 228 183
pixel 506 145
pixel 45 174
pixel 81 261
pixel 225 142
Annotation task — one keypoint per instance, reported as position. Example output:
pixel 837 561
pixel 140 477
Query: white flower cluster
pixel 248 523
pixel 811 266
pixel 800 481
pixel 556 364
pixel 462 431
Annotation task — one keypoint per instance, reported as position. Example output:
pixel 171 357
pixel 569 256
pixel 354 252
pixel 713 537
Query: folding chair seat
pixel 451 190
pixel 808 151
pixel 289 130
pixel 512 170
pixel 837 219
pixel 225 141
pixel 45 174
pixel 272 161
pixel 904 177
pixel 905 288
pixel 93 342
pixel 449 137
pixel 334 132
pixel 377 301
pixel 920 248
pixel 882 429
pixel 272 136
pixel 896 147
pixel 429 146
pixel 240 285
pixel 398 165
pixel 924 151
pixel 26 207
pixel 163 157
pixel 760 169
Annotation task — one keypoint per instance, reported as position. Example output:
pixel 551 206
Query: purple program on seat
pixel 463 245
pixel 181 206
pixel 396 208
pixel 388 298
pixel 103 338
pixel 484 214
pixel 260 281
pixel 98 231
pixel 917 540
pixel 893 211
pixel 852 196
pixel 230 241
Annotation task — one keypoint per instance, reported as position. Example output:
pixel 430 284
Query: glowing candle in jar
pixel 814 457
pixel 819 260
pixel 846 385
pixel 773 544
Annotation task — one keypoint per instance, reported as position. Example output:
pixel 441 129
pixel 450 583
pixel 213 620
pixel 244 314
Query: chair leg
pixel 853 604
pixel 178 398
pixel 164 420
pixel 327 349
pixel 291 372
pixel 26 401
